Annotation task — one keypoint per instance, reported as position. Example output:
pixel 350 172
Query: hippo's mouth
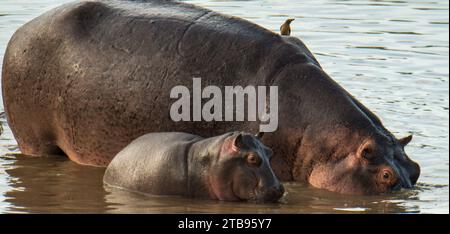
pixel 252 194
pixel 235 195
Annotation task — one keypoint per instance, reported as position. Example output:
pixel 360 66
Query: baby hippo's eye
pixel 253 160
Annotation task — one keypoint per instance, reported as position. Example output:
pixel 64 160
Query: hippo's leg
pixel 40 149
pixel 35 144
pixel 86 157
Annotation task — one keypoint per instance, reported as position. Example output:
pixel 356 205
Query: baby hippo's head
pixel 242 171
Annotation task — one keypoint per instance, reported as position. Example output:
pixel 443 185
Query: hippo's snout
pixel 414 175
pixel 409 175
pixel 271 194
pixel 400 185
pixel 408 178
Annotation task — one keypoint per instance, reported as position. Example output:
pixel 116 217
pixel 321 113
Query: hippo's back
pixel 89 77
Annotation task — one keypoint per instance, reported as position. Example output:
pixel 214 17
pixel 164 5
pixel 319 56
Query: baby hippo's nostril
pixel 273 194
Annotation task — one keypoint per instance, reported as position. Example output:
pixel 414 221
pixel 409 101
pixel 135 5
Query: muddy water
pixel 392 55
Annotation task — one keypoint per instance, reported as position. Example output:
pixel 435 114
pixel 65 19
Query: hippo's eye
pixel 387 175
pixel 253 160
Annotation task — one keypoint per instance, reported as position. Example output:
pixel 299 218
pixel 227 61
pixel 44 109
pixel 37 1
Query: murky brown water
pixel 54 184
pixel 392 55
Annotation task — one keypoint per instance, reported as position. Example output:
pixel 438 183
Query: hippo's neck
pixel 200 157
pixel 318 121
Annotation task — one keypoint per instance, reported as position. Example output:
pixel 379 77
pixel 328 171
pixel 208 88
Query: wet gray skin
pixel 231 167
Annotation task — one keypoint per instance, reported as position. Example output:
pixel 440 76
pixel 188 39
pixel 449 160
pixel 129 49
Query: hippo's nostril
pixel 276 192
pixel 271 194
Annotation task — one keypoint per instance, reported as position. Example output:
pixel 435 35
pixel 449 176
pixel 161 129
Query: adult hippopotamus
pixel 89 77
pixel 231 167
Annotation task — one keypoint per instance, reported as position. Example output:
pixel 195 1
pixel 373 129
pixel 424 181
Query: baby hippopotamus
pixel 230 167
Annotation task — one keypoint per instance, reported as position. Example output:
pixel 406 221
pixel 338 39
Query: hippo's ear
pixel 259 135
pixel 238 143
pixel 405 140
pixel 366 150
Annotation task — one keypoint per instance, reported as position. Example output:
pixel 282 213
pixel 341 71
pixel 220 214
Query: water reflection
pixel 53 184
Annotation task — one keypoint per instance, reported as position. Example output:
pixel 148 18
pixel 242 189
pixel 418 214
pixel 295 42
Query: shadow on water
pixel 54 184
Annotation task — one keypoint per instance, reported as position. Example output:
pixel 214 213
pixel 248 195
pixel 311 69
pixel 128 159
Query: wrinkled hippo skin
pixel 231 167
pixel 89 77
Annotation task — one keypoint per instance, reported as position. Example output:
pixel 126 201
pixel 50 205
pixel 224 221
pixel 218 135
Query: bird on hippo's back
pixel 285 28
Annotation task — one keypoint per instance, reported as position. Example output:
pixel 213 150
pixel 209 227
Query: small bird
pixel 285 28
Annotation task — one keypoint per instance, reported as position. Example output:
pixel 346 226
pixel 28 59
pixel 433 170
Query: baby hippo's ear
pixel 259 135
pixel 238 143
